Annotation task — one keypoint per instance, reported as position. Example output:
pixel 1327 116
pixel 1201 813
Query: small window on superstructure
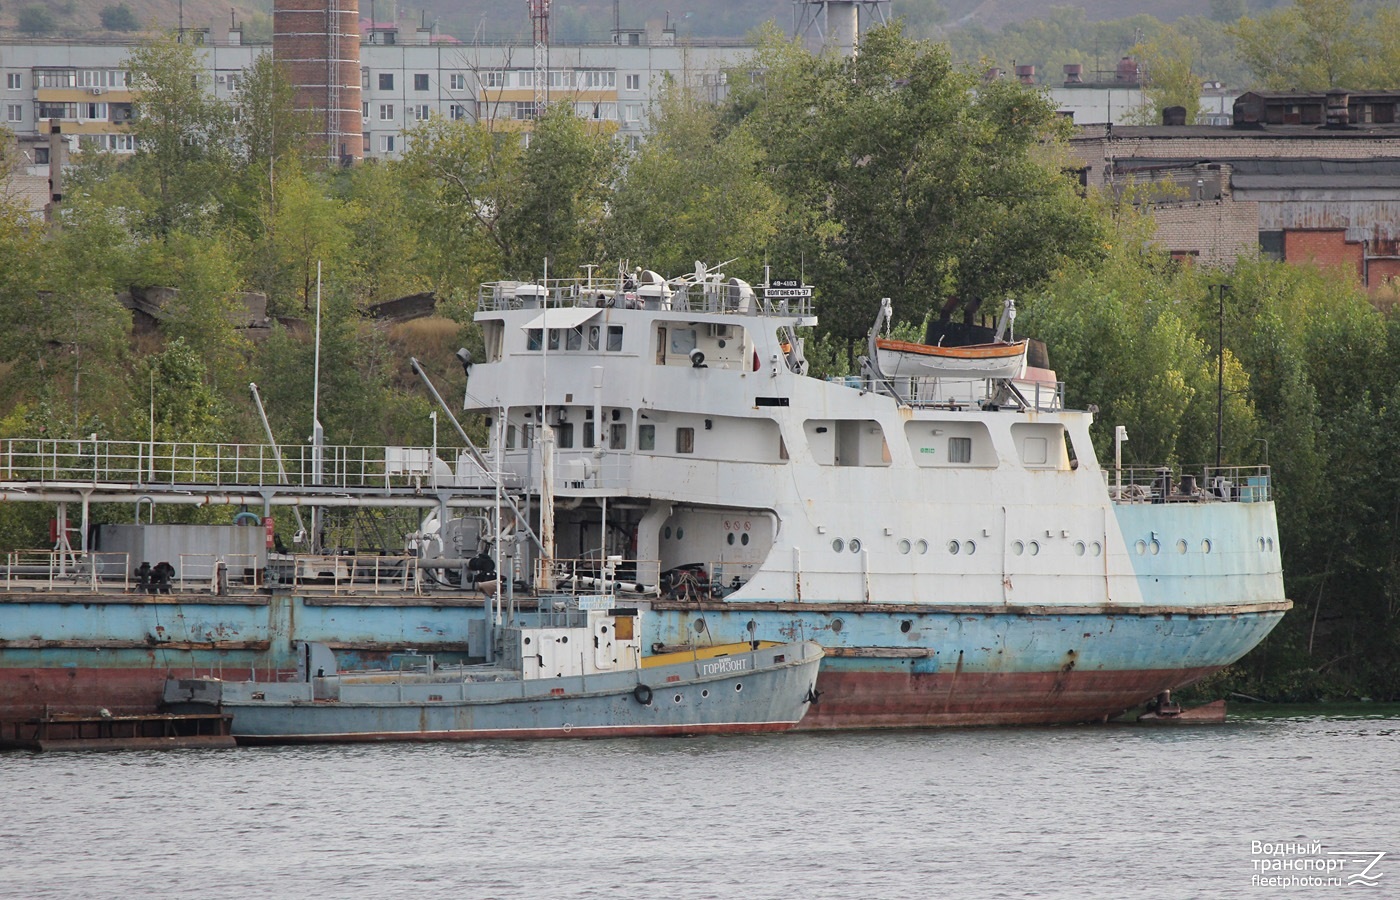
pixel 510 437
pixel 534 338
pixel 593 337
pixel 554 338
pixel 615 338
pixel 617 436
pixel 646 437
pixel 588 434
pixel 959 449
pixel 564 434
pixel 685 440
pixel 573 339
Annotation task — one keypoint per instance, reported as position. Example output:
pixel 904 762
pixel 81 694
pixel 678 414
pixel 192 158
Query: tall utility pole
pixel 539 19
pixel 1220 291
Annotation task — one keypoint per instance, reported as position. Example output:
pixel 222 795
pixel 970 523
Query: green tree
pixel 1312 45
pixel 119 18
pixel 899 180
pixel 695 187
pixel 1168 77
pixel 461 175
pixel 35 19
pixel 386 255
pixel 182 135
pixel 558 201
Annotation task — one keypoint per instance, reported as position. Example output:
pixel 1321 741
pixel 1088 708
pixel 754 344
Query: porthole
pixel 752 626
pixel 1079 548
pixel 677 698
pixel 527 640
pixel 837 625
pixel 680 533
pixel 744 539
pixel 838 545
pixel 1261 544
pixel 1018 548
pixel 1181 546
pixel 704 693
pixel 563 639
pixel 1140 547
pixel 699 625
pixel 905 546
pixel 1155 547
pixel 602 629
pixel 1271 545
pixel 905 626
pixel 738 687
pixel 667 533
pixel 1034 548
pixel 921 546
pixel 729 538
pixel 1096 547
pixel 953 547
pixel 969 547
pixel 855 545
pixel 1205 545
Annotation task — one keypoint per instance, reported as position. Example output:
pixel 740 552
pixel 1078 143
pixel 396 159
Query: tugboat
pixel 574 670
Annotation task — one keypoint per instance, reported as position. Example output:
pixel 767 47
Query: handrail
pixel 1178 484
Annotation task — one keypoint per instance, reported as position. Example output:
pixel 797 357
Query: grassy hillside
pixel 574 20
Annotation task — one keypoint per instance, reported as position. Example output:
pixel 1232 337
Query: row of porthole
pixel 1155 547
pixel 743 538
pixel 1081 548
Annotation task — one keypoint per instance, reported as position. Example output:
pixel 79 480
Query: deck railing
pixel 1167 484
pixel 66 461
pixel 709 296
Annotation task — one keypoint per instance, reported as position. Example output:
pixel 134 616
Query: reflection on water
pixel 1114 811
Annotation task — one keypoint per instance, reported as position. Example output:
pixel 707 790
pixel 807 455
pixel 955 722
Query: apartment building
pixel 404 80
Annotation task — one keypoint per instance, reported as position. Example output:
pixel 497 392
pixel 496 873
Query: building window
pixel 55 78
pixel 93 111
pixel 493 78
pixel 364 110
pixel 525 77
pixel 386 142
pixel 685 440
pixel 386 81
pixel 364 79
pixel 14 112
pixel 420 112
pixel 632 113
pixel 597 78
pixel 523 109
pixel 386 112
pixel 633 82
pixel 233 82
pixel 14 80
pixel 959 450
pixel 366 148
pixel 58 110
pixel 420 82
pixel 41 156
pixel 646 437
pixel 457 81
pixel 457 112
pixel 561 78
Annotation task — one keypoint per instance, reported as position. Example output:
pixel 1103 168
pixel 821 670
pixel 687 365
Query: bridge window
pixel 646 437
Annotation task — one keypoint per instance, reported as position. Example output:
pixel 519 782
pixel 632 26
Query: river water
pixel 1111 811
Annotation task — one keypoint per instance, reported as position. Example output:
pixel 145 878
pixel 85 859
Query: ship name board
pixel 775 293
pixel 724 666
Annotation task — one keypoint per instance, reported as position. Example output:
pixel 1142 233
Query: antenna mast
pixel 539 20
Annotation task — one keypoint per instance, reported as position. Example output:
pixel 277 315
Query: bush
pixel 35 19
pixel 119 18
